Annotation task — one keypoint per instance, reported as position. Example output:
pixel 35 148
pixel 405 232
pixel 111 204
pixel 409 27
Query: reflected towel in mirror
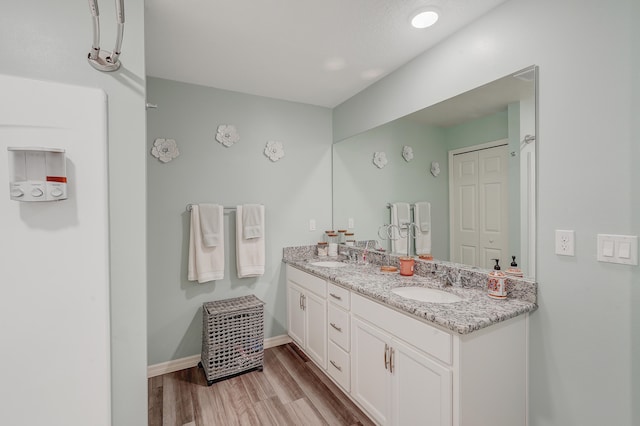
pixel 422 217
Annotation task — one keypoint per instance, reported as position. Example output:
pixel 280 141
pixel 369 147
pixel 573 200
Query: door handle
pixel 336 327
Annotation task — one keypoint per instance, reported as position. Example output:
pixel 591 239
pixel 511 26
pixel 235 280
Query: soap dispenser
pixel 496 284
pixel 514 271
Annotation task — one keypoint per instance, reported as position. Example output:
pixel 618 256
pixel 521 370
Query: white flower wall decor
pixel 407 153
pixel 165 150
pixel 274 150
pixel 380 159
pixel 227 134
pixel 435 168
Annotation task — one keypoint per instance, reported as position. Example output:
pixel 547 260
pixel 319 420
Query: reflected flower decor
pixel 380 159
pixel 274 150
pixel 165 150
pixel 435 168
pixel 407 153
pixel 227 135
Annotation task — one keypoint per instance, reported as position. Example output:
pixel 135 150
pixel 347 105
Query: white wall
pixel 44 310
pixel 50 40
pixel 585 335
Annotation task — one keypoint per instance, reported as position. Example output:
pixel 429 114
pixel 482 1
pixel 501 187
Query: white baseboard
pixel 192 361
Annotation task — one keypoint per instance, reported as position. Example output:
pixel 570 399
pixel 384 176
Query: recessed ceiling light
pixel 424 18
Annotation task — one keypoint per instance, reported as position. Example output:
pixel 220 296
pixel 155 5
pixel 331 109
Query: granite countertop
pixel 476 311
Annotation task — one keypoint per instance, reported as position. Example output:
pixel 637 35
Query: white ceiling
pixel 316 52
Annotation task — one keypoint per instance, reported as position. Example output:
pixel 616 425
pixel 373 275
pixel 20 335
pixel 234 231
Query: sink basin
pixel 328 264
pixel 424 294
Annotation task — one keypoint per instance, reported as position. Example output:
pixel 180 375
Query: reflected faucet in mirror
pixel 393 232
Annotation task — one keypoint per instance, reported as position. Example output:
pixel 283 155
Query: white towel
pixel 422 217
pixel 205 263
pixel 250 253
pixel 211 224
pixel 252 218
pixel 400 214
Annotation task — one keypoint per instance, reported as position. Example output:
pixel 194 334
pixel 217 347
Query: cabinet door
pixel 295 314
pixel 316 328
pixel 421 388
pixel 370 378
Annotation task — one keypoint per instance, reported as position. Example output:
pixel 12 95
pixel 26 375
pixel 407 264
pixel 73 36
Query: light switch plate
pixel 625 249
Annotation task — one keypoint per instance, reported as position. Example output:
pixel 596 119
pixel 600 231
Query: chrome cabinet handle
pixel 335 296
pixel 336 327
pixel 391 351
pixel 304 302
pixel 386 353
pixel 336 365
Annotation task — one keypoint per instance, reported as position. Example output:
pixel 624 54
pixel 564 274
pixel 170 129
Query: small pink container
pixel 406 266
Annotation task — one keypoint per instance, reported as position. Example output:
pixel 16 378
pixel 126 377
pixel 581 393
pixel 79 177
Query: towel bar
pixel 225 208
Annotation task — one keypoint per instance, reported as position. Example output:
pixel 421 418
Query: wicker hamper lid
pixel 232 305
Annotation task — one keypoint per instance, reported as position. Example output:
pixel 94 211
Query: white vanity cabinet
pixel 392 380
pixel 404 371
pixel 307 313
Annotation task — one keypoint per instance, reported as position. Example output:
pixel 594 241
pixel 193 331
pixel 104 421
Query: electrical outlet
pixel 565 243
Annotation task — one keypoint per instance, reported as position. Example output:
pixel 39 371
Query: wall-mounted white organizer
pixel 37 174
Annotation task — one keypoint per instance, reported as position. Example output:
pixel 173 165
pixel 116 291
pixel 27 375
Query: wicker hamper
pixel 232 337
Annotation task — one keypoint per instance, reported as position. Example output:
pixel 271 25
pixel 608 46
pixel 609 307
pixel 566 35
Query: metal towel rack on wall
pixel 103 60
pixel 225 208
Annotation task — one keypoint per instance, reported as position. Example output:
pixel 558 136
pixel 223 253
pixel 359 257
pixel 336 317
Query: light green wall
pixel 362 190
pixel 585 336
pixel 474 132
pixel 49 41
pixel 293 190
pixel 634 205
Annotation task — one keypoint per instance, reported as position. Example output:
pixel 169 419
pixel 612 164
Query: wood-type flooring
pixel 290 391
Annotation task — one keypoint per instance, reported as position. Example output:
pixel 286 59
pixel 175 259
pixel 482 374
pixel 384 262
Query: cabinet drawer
pixel 428 339
pixel 339 326
pixel 307 281
pixel 339 366
pixel 339 296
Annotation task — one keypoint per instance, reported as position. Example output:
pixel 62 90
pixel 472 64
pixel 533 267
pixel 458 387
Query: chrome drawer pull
pixel 336 327
pixel 336 365
pixel 386 362
pixel 335 296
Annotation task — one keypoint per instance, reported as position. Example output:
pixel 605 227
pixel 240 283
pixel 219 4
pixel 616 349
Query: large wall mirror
pixel 482 194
